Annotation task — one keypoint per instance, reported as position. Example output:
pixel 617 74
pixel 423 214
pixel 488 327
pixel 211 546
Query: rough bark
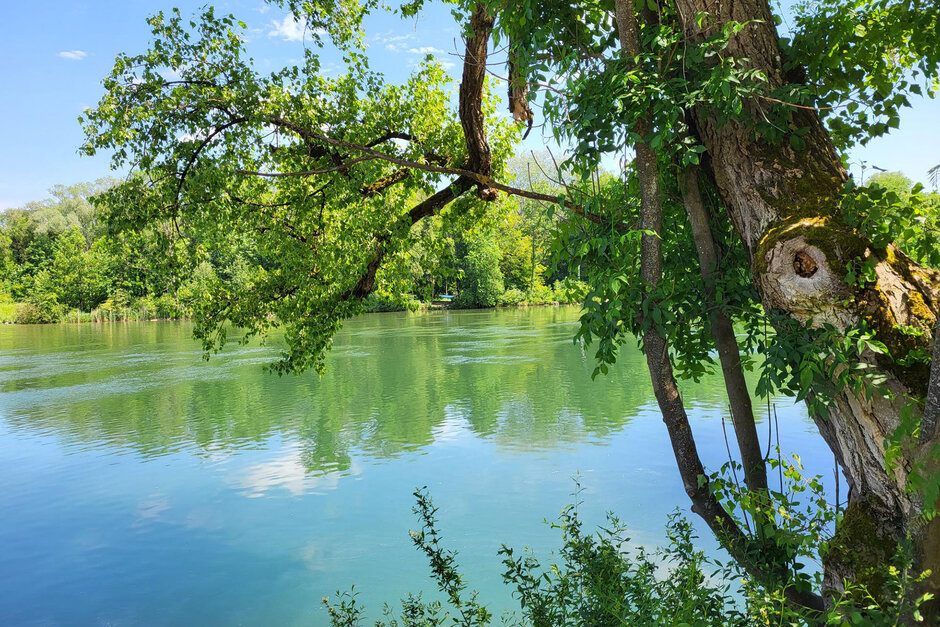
pixel 722 329
pixel 784 205
pixel 691 470
pixel 471 98
pixel 518 93
pixel 928 427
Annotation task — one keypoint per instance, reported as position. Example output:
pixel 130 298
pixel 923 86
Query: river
pixel 142 485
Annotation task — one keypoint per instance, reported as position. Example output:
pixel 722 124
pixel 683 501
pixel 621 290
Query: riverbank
pixel 165 308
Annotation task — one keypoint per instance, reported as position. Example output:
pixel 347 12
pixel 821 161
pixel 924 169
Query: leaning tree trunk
pixel 784 204
pixel 655 346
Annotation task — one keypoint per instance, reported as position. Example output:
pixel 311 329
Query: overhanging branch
pixel 476 177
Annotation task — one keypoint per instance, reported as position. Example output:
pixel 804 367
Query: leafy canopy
pixel 226 154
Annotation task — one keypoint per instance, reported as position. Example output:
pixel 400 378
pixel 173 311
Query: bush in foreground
pixel 600 581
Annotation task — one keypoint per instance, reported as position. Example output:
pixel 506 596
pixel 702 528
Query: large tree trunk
pixel 784 204
pixel 656 348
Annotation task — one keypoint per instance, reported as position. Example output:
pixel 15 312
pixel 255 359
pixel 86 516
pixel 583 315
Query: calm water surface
pixel 141 485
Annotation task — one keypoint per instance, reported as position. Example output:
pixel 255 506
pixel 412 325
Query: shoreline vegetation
pixel 23 313
pixel 69 259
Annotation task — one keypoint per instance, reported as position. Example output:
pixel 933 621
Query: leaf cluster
pixel 864 60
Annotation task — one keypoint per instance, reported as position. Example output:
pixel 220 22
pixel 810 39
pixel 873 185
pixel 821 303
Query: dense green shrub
pixel 482 281
pixel 42 304
pixel 380 300
pixel 31 313
pixel 541 295
pixel 512 297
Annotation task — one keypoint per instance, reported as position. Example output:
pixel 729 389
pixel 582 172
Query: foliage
pixel 863 61
pixel 794 522
pixel 856 605
pixel 75 273
pixel 570 290
pixel 619 307
pixel 481 282
pixel 137 273
pixel 890 209
pixel 42 304
pixel 381 300
pixel 597 583
pixel 8 312
pixel 511 297
pixel 142 118
pixel 601 580
pixel 815 362
pixel 600 583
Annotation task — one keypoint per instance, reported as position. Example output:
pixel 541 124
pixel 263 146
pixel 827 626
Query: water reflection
pixel 140 485
pixel 292 472
pixel 396 383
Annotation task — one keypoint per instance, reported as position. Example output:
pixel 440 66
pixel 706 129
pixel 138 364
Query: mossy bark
pixel 656 348
pixel 784 204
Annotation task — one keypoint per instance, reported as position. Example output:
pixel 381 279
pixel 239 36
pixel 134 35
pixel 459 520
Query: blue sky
pixel 54 53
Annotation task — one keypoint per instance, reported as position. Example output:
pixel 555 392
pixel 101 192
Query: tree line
pixel 60 261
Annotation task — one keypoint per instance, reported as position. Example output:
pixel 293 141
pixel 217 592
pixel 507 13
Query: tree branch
pixel 424 209
pixel 691 469
pixel 722 329
pixel 476 177
pixel 199 149
pixel 376 188
pixel 471 99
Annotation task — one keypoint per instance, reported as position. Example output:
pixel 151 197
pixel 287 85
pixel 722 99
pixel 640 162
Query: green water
pixel 141 485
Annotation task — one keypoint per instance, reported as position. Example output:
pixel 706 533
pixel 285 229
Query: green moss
pixel 919 308
pixel 861 546
pixel 873 305
pixel 837 242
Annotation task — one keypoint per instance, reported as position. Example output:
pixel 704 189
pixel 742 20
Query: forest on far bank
pixel 61 262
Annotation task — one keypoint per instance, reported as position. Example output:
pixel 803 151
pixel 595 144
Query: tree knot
pixel 804 265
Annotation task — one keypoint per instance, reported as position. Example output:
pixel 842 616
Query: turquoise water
pixel 142 485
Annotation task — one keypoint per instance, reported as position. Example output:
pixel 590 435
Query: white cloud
pixel 288 472
pixel 289 29
pixel 150 509
pixel 438 54
pixel 390 37
pixel 426 50
pixel 394 42
pixel 74 55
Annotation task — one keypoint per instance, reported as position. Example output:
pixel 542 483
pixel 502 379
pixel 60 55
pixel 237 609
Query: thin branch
pixel 481 179
pixel 341 167
pixel 199 149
